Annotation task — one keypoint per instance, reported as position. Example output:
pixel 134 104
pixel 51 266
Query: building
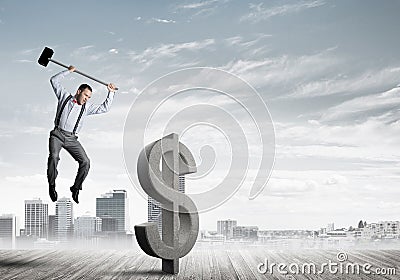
pixel 370 231
pixel 64 220
pixel 225 228
pixel 8 231
pixel 114 205
pixel 36 218
pixel 154 213
pixel 245 233
pixel 108 224
pixel 85 227
pixel 154 210
pixel 52 228
pixel 211 236
pixel 330 227
pixel 388 229
pixel 338 233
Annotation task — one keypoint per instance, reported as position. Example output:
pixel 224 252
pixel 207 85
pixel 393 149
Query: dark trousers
pixel 62 139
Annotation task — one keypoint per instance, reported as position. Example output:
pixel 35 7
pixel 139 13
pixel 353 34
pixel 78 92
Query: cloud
pixel 307 76
pixel 285 69
pixel 252 46
pixel 30 51
pixel 336 179
pixel 197 5
pixel 151 54
pixel 258 12
pixel 96 139
pixel 92 54
pixel 388 205
pixel 203 8
pixel 2 162
pixel 160 20
pixel 345 84
pixel 372 141
pixel 86 47
pixel 23 61
pixel 31 180
pixel 87 52
pixel 384 104
pixel 289 187
pixel 241 42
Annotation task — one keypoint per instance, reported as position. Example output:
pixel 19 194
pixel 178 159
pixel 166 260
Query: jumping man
pixel 71 112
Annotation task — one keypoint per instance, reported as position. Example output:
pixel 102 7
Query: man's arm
pixel 106 105
pixel 55 81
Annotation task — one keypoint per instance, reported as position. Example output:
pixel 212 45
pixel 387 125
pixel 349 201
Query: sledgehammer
pixel 45 58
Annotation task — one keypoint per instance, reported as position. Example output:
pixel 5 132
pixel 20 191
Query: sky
pixel 328 72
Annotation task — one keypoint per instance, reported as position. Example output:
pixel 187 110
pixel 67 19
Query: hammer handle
pixel 79 72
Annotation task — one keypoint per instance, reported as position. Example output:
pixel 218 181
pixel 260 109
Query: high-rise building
pixel 108 224
pixel 64 219
pixel 330 227
pixel 154 210
pixel 389 228
pixel 8 231
pixel 114 205
pixel 225 227
pixel 52 228
pixel 86 226
pixel 245 233
pixel 36 218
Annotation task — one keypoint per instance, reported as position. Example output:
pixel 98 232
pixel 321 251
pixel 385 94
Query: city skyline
pixel 328 72
pixel 88 230
pixel 42 222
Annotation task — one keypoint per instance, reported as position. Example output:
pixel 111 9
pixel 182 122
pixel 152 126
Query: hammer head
pixel 45 56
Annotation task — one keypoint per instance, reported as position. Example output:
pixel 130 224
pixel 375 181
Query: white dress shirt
pixel 72 109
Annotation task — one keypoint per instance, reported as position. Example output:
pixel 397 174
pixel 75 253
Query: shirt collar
pixel 74 99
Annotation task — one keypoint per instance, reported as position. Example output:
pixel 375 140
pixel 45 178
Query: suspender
pixel 62 109
pixel 79 118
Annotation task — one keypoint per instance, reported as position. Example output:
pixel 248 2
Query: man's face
pixel 83 96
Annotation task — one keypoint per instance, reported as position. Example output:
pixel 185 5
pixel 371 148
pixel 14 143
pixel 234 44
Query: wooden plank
pixel 218 263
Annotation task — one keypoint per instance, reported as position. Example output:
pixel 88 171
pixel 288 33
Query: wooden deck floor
pixel 203 263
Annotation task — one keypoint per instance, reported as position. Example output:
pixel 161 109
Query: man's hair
pixel 82 87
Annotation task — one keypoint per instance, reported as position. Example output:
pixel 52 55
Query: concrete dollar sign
pixel 180 219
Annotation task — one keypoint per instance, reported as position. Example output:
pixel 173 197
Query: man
pixel 71 112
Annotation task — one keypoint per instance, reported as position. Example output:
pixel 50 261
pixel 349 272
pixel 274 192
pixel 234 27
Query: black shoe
pixel 75 193
pixel 53 193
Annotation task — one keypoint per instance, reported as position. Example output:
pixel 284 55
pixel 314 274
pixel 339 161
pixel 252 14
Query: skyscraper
pixel 114 205
pixel 36 218
pixel 154 210
pixel 52 228
pixel 86 226
pixel 225 228
pixel 8 230
pixel 64 219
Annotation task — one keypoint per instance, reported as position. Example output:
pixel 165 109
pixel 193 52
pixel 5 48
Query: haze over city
pixel 327 70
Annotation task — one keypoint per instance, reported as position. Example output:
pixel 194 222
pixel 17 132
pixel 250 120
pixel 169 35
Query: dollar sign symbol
pixel 180 220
